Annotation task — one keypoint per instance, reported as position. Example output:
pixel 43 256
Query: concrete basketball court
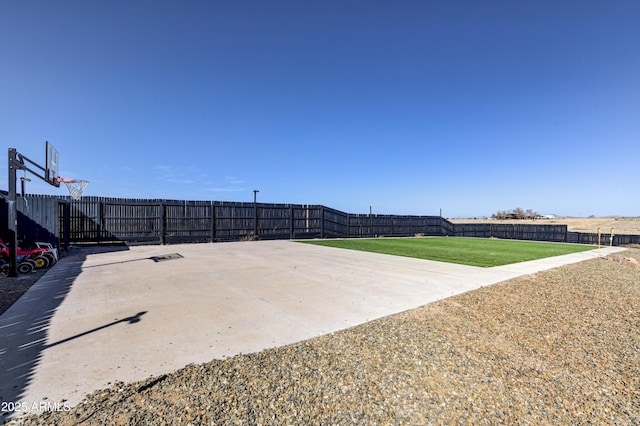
pixel 97 318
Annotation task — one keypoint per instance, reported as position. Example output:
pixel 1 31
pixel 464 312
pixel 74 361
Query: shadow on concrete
pixel 25 325
pixel 162 258
pixel 131 320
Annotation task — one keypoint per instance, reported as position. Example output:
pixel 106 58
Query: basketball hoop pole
pixel 16 162
pixel 12 216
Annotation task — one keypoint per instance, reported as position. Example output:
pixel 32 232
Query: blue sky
pixel 409 106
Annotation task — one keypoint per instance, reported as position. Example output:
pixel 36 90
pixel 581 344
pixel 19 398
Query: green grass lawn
pixel 467 251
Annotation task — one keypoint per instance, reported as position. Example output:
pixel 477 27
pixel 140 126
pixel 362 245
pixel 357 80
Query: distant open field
pixel 621 225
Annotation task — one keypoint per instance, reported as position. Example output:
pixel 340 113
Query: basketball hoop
pixel 75 186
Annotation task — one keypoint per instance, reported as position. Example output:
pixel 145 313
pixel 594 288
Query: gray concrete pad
pixel 126 315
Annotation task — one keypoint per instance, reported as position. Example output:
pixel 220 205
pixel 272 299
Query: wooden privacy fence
pixel 555 233
pixel 542 232
pixel 605 239
pixel 37 219
pixel 102 220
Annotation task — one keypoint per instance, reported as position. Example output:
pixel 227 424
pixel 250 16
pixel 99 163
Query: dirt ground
pixel 11 289
pixel 620 225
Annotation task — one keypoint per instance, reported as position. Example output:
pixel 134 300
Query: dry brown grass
pixel 621 225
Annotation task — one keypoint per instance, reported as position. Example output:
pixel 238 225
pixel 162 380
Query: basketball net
pixel 75 186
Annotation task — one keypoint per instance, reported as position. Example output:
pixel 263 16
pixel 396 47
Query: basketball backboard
pixel 52 165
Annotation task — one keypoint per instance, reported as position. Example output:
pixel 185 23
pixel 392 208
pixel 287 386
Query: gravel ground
pixel 556 347
pixel 12 288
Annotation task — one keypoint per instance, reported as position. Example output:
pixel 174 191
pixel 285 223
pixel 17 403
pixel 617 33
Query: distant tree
pixel 531 214
pixel 517 213
pixel 500 215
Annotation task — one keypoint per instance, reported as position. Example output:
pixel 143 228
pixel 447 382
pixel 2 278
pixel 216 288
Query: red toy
pixel 43 257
